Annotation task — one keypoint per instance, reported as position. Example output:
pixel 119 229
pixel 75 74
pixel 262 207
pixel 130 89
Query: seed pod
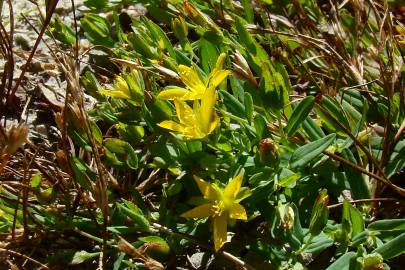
pixel 15 137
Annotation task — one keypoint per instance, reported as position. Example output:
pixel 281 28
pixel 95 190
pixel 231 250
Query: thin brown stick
pixel 15 253
pixel 355 140
pixel 50 11
pixel 386 181
pixel 364 201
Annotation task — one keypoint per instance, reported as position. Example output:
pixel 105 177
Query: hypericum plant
pixel 314 118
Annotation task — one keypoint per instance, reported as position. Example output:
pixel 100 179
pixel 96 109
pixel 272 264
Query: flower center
pixel 218 208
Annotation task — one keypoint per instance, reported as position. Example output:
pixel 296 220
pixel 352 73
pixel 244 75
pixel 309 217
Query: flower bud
pixel 373 261
pixel 157 250
pixel 286 214
pixel 268 151
pixel 201 19
pixel 320 212
pixel 180 28
pixel 241 68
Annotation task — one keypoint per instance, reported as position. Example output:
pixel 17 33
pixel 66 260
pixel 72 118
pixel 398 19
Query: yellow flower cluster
pixel 200 120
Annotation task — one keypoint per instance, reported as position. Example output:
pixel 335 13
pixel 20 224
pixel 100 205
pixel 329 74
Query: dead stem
pixel 364 201
pixel 15 253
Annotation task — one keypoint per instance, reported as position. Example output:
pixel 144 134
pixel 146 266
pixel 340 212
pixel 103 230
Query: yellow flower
pixel 222 204
pixel 127 87
pixel 120 89
pixel 196 122
pixel 196 86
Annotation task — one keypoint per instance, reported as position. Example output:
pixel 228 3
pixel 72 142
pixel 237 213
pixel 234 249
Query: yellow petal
pixel 220 61
pixel 115 94
pixel 191 79
pixel 213 124
pixel 219 231
pixel 207 189
pixel 121 84
pixel 233 187
pixel 185 113
pixel 237 211
pixel 168 124
pixel 193 133
pixel 206 113
pixel 400 29
pixel 218 77
pixel 178 93
pixel 199 211
pixel 218 66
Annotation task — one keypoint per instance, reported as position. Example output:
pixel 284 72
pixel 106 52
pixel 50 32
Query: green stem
pixel 311 237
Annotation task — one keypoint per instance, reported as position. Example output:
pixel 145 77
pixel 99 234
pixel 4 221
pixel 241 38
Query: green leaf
pixel 392 248
pixel 357 182
pixel 83 173
pixel 62 32
pixel 208 55
pixel 299 114
pixel 357 221
pixel 121 152
pixel 332 114
pixel 260 124
pixel 118 261
pixel 133 212
pixel 352 220
pixel 82 256
pixel 273 86
pixel 115 145
pixel 131 133
pixel 233 104
pixel 313 130
pixel 248 10
pixel 248 101
pixel 36 180
pixel 290 180
pixel 159 34
pixel 97 29
pixel 319 244
pixel 387 225
pixel 96 132
pixel 96 4
pixel 152 238
pixel 397 160
pixel 305 154
pixel 343 263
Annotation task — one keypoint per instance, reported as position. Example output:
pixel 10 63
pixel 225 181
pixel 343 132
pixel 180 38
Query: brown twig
pixel 50 10
pixel 384 180
pixel 355 140
pixel 15 253
pixel 364 201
